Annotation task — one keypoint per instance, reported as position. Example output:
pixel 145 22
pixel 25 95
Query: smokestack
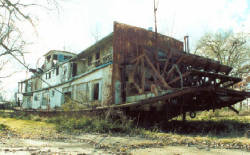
pixel 186 44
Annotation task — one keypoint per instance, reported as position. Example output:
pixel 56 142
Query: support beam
pixel 167 62
pixel 137 58
pixel 172 69
pixel 143 75
pixel 158 75
pixel 184 116
pixel 233 109
pixel 178 78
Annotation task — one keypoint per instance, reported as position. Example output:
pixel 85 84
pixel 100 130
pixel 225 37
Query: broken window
pixel 89 60
pixel 52 93
pixel 74 69
pixel 96 91
pixel 65 70
pixel 57 70
pixel 35 98
pixel 55 57
pixel 48 58
pixel 97 55
pixel 49 75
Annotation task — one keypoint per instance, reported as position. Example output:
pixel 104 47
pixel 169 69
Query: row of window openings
pixel 95 93
pixel 48 75
pixel 97 56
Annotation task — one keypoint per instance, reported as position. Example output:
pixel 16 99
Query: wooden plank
pixel 170 72
pixel 167 62
pixel 143 75
pixel 180 59
pixel 190 58
pixel 138 88
pixel 178 78
pixel 158 75
pixel 172 69
pixel 137 58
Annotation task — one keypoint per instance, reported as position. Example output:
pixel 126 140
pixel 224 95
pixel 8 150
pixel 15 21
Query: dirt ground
pixel 37 137
pixel 104 144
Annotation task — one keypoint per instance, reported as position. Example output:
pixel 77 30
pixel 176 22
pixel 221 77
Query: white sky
pixel 70 28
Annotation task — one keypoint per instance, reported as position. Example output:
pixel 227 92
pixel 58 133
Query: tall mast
pixel 156 39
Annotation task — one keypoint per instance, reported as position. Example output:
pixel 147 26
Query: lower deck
pixel 171 104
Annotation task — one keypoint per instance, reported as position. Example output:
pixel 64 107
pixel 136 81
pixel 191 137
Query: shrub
pixel 91 124
pixel 3 127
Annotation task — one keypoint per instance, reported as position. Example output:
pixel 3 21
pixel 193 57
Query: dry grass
pixel 29 128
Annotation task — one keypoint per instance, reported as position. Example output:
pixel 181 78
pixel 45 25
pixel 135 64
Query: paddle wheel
pixel 145 68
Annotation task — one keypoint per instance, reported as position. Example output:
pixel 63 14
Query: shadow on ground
pixel 223 128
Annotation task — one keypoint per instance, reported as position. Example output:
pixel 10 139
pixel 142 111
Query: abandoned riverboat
pixel 133 69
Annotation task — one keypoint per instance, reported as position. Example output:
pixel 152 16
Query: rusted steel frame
pixel 164 97
pixel 230 84
pixel 207 65
pixel 232 92
pixel 226 104
pixel 158 75
pixel 217 105
pixel 215 75
pixel 140 103
pixel 178 78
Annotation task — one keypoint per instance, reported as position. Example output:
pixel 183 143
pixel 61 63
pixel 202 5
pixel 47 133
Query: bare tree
pixel 228 48
pixel 11 42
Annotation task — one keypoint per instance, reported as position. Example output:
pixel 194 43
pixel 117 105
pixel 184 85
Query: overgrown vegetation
pixel 92 124
pixel 213 124
pixel 3 127
pixel 212 131
pixel 73 123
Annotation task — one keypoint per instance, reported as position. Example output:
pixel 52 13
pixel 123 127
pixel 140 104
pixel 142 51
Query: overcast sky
pixel 71 26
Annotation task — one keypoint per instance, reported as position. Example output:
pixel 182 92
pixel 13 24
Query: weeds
pixel 90 124
pixel 217 124
pixel 3 127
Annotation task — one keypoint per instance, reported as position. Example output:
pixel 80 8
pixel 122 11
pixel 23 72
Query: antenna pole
pixel 156 38
pixel 155 9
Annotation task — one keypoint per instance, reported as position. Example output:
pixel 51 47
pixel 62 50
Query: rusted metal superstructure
pixel 151 74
